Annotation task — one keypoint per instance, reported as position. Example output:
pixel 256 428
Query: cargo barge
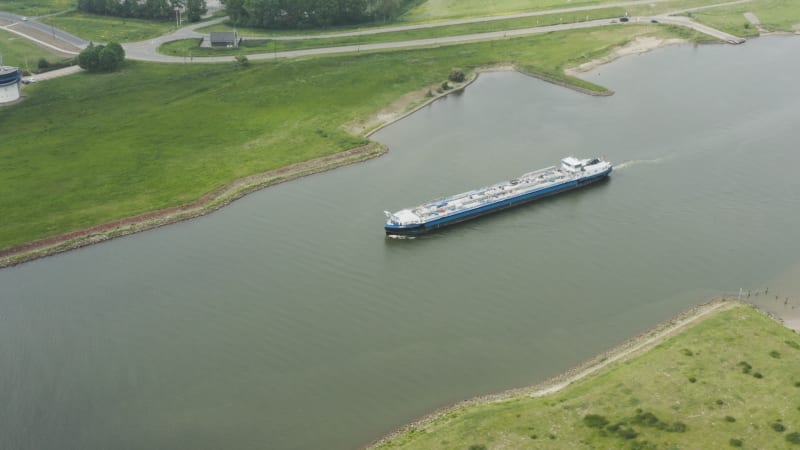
pixel 572 173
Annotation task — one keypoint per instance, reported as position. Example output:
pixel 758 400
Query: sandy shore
pixel 641 44
pixel 621 353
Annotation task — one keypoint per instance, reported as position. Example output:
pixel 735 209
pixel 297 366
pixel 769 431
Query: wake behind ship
pixel 572 174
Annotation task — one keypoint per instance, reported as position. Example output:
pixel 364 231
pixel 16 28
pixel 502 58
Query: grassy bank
pixel 108 29
pixel 181 48
pixel 20 52
pixel 775 15
pixel 433 10
pixel 33 8
pixel 88 149
pixel 731 380
pixel 424 33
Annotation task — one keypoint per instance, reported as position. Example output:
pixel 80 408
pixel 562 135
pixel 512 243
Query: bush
pixel 775 354
pixel 735 442
pixel 677 427
pixel 793 437
pixel 793 344
pixel 43 63
pixel 687 352
pixel 628 433
pixel 242 61
pixel 758 375
pixel 692 379
pixel 595 421
pixel 745 366
pixel 777 426
pixel 456 76
pixel 445 86
pixel 730 419
pixel 102 58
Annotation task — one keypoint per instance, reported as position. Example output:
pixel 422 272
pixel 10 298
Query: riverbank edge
pixel 206 204
pixel 236 189
pixel 417 104
pixel 628 349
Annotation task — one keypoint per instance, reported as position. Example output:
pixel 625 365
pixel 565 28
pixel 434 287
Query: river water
pixel 288 321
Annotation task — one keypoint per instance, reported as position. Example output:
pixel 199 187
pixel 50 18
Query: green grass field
pixel 19 52
pixel 433 10
pixel 775 15
pixel 734 378
pixel 33 8
pixel 108 29
pixel 87 149
pixel 181 48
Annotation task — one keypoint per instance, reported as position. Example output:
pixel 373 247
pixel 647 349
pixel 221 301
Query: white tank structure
pixel 9 84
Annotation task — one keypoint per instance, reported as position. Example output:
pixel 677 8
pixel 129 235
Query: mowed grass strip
pixel 732 379
pixel 33 8
pixel 106 29
pixel 433 10
pixel 186 46
pixel 774 15
pixel 424 33
pixel 88 149
pixel 20 52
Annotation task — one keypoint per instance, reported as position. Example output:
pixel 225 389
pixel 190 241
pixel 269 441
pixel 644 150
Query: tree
pixel 195 9
pixel 101 58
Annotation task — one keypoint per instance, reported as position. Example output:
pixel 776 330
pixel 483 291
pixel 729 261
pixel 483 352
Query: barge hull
pixel 424 228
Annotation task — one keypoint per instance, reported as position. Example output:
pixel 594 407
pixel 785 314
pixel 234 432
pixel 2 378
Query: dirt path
pixel 625 351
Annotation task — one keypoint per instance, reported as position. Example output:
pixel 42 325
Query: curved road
pixel 148 50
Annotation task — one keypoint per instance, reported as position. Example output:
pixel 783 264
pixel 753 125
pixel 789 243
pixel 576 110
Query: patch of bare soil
pixel 640 44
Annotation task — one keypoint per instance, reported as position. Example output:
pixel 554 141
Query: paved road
pixel 148 53
pixel 19 23
pixel 148 50
pixel 577 9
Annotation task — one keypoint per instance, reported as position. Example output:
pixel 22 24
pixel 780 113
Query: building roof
pixel 223 37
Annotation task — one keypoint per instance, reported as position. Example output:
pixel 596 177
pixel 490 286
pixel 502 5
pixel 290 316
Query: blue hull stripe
pixel 492 207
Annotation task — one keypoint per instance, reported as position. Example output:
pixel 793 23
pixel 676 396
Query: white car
pixel 24 19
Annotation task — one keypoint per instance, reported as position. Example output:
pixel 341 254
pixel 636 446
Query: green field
pixel 775 15
pixel 108 29
pixel 181 48
pixel 36 7
pixel 733 377
pixel 87 149
pixel 433 10
pixel 19 52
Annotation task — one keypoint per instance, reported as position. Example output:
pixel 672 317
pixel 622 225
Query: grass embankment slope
pixel 181 48
pixel 435 10
pixel 98 28
pixel 731 380
pixel 774 15
pixel 36 7
pixel 20 52
pixel 88 149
